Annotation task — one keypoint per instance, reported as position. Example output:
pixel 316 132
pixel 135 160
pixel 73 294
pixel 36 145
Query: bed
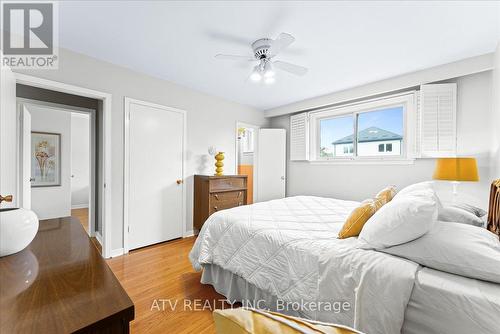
pixel 285 256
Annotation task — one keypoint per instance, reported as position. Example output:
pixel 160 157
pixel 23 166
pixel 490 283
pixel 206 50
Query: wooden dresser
pixel 215 193
pixel 61 284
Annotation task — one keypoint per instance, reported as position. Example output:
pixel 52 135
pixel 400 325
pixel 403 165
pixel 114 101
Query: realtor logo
pixel 29 33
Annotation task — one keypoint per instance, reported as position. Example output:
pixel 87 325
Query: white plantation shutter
pixel 438 120
pixel 416 145
pixel 299 137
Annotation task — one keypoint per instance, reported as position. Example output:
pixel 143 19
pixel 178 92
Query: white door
pixel 155 146
pixel 271 164
pixel 8 137
pixel 25 157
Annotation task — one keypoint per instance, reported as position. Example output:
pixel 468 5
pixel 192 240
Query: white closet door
pixel 271 164
pixel 155 171
pixel 8 140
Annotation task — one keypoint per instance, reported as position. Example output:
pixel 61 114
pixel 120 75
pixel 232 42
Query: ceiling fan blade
pixel 234 57
pixel 283 41
pixel 288 67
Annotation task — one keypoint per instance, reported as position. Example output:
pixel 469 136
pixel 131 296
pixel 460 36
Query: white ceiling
pixel 344 44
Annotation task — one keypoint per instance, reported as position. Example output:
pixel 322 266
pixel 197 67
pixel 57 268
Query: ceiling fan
pixel 264 50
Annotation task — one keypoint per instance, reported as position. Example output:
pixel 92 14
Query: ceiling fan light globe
pixel 255 76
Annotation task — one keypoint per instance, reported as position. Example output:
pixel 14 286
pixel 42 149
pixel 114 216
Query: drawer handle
pixel 7 198
pixel 215 208
pixel 216 197
pixel 239 194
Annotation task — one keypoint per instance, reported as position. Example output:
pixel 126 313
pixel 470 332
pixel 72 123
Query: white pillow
pixel 418 187
pixel 403 219
pixel 459 249
pixel 456 215
pixel 415 188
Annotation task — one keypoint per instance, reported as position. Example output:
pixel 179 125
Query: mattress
pixel 446 303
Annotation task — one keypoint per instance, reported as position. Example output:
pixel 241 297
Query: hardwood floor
pixel 83 217
pixel 164 272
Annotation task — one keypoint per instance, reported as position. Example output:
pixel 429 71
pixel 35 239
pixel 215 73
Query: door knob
pixel 7 198
pixel 179 181
pixel 283 178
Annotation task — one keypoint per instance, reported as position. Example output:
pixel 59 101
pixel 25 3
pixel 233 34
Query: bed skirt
pixel 237 290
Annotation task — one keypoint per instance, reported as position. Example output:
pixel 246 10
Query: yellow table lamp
pixel 456 170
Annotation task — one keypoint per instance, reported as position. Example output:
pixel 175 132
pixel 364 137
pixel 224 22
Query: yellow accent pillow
pixel 386 194
pixel 358 217
pixel 245 321
pixel 378 203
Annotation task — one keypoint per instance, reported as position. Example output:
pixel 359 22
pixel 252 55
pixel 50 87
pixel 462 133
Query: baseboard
pixel 117 252
pixel 188 234
pixel 79 206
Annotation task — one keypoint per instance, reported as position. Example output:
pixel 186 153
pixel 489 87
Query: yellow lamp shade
pixel 456 169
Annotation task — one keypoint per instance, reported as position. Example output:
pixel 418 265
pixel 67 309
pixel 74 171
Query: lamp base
pixel 455 190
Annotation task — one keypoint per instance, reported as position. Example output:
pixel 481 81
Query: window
pixel 336 130
pixel 379 129
pixel 369 130
pixel 246 136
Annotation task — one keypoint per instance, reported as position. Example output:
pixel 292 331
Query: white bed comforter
pixel 289 248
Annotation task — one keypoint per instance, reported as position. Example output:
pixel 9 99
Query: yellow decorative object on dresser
pixel 219 164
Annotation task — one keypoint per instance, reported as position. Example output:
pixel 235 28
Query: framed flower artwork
pixel 45 159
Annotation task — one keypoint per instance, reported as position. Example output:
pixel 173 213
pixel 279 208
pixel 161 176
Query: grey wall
pixel 358 182
pixel 210 120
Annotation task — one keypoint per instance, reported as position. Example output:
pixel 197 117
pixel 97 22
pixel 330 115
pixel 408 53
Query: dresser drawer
pixel 218 206
pixel 229 196
pixel 226 200
pixel 227 184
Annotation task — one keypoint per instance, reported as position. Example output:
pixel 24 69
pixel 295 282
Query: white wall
pixel 53 202
pixel 438 73
pixel 210 120
pixel 358 182
pixel 80 160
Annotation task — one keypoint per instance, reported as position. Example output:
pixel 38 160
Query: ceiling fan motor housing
pixel 261 48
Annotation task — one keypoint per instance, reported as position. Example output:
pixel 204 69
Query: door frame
pixel 106 201
pixel 255 148
pixel 126 165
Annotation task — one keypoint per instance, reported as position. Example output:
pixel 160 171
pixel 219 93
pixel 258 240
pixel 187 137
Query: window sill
pixel 363 162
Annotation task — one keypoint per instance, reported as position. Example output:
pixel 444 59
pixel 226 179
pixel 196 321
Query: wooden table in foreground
pixel 61 284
